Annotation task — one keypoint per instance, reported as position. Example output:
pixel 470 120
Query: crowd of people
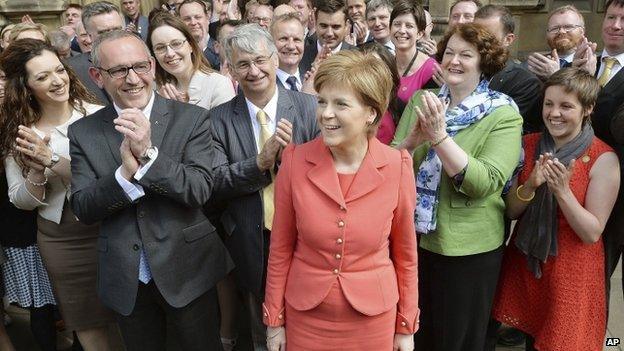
pixel 326 172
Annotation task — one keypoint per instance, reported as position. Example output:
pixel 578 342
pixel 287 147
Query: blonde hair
pixel 24 27
pixel 364 73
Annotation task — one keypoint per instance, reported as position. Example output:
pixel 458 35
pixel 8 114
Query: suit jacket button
pixel 342 208
pixel 403 324
pixel 338 256
pixel 141 214
pixel 339 241
pixel 135 247
pixel 336 271
pixel 280 317
pixel 266 314
pixel 341 224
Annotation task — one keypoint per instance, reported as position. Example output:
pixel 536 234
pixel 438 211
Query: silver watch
pixel 54 160
pixel 149 154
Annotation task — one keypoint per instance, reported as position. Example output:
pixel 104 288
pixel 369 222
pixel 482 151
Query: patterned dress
pixel 565 310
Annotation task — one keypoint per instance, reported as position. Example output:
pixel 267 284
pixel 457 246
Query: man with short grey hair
pixel 378 21
pixel 249 132
pixel 142 168
pixel 61 42
pixel 97 18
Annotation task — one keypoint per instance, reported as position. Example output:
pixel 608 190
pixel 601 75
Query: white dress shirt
pixel 208 90
pixel 55 193
pixel 282 76
pixel 271 112
pixel 132 189
pixel 616 67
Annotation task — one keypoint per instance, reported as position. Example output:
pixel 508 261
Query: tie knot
pixel 609 61
pixel 292 82
pixel 262 117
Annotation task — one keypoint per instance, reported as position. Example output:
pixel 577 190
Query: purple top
pixel 412 83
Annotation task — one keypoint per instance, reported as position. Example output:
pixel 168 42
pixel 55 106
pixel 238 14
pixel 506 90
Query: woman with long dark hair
pixel 42 98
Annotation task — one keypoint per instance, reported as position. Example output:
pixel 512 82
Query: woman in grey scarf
pixel 552 281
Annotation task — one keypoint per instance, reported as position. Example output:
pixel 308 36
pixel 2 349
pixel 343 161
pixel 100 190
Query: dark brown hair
pixel 407 7
pixel 162 18
pixel 331 7
pixel 492 53
pixel 19 106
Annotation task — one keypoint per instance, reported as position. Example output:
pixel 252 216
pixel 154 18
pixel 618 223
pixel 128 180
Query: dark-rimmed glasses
pixel 122 71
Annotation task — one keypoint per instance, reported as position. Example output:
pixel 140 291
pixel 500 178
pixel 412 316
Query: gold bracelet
pixel 439 141
pixel 522 198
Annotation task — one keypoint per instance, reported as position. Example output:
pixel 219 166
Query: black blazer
pixel 525 89
pixel 238 181
pixel 80 66
pixel 310 51
pixel 211 55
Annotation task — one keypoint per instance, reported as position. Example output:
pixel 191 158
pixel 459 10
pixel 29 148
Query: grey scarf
pixel 537 229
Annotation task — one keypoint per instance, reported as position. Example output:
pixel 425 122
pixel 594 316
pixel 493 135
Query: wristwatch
pixel 54 160
pixel 149 154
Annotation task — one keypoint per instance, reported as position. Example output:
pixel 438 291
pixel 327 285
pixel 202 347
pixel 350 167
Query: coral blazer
pixel 365 240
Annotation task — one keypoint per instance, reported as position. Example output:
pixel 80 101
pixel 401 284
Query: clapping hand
pixel 432 117
pixel 271 150
pixel 438 75
pixel 34 150
pixel 585 57
pixel 544 66
pixel 558 176
pixel 133 124
pixel 169 91
pixel 428 46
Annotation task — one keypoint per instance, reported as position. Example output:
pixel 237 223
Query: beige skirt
pixel 69 252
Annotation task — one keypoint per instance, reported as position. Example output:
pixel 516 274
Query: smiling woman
pixel 182 71
pixel 43 97
pixel 343 247
pixel 465 141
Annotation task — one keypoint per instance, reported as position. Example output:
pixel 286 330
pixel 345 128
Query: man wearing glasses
pixel 142 167
pixel 564 32
pixel 250 132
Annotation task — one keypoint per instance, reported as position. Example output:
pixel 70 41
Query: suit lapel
pixel 323 175
pixel 112 136
pixel 159 119
pixel 285 107
pixel 242 125
pixel 368 177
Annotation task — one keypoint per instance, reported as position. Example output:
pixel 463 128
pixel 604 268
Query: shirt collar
pixel 319 47
pixel 147 110
pixel 282 76
pixel 568 58
pixel 270 109
pixel 619 58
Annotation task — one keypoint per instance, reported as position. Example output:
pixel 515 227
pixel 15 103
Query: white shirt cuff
pixel 134 191
pixel 144 168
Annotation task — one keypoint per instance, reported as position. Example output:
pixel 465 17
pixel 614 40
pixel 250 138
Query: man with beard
pixel 331 29
pixel 565 31
pixel 287 31
pixel 378 20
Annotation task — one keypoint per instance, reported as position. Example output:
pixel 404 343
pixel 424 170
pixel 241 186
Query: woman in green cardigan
pixel 466 143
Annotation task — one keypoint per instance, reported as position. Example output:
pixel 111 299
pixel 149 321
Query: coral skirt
pixel 335 325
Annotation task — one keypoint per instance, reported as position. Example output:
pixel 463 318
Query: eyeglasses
pixel 243 67
pixel 261 19
pixel 565 28
pixel 122 71
pixel 174 45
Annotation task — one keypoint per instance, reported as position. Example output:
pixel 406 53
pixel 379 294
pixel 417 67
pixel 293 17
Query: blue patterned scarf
pixel 472 109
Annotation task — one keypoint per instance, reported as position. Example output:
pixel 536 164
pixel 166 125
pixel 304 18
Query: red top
pixel 564 310
pixel 387 128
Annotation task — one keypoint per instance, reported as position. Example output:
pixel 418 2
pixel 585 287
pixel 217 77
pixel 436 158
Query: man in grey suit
pixel 97 18
pixel 249 132
pixel 142 167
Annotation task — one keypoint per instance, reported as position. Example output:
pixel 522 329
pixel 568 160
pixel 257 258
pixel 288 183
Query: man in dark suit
pixel 287 31
pixel 521 85
pixel 196 14
pixel 611 98
pixel 134 21
pixel 249 131
pixel 356 10
pixel 142 167
pixel 97 18
pixel 331 30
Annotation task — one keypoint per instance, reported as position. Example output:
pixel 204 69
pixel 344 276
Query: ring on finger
pixel 31 147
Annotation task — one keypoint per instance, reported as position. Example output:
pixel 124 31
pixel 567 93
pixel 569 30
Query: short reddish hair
pixel 492 53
